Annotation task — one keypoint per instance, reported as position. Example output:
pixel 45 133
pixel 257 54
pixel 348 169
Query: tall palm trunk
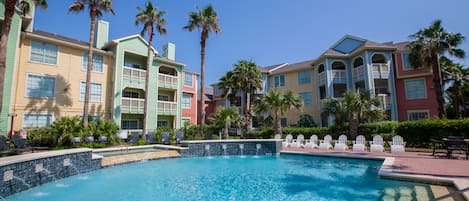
pixel 225 130
pixel 278 124
pixel 353 126
pixel 202 83
pixel 147 77
pixel 9 12
pixel 89 68
pixel 438 86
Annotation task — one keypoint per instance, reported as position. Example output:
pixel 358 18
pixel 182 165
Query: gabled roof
pixel 269 69
pixel 59 37
pixel 138 36
pixel 295 67
pixel 402 46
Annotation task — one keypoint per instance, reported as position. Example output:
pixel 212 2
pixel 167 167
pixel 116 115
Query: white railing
pixel 167 80
pixel 339 74
pixel 322 77
pixel 358 72
pixel 134 73
pixel 166 106
pixel 380 68
pixel 133 104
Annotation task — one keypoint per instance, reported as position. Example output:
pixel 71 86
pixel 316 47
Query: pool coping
pixel 386 170
pixel 234 140
pixel 39 155
pixel 124 148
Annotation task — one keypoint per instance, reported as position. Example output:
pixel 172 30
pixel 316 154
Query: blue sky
pixel 268 31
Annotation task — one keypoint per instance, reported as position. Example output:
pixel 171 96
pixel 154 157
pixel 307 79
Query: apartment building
pixel 48 75
pixel 352 64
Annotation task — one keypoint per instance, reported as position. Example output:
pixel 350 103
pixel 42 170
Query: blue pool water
pixel 285 177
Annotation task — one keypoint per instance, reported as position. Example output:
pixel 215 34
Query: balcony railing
pixel 133 105
pixel 359 73
pixel 380 68
pixel 339 75
pixel 134 74
pixel 166 107
pixel 322 77
pixel 167 81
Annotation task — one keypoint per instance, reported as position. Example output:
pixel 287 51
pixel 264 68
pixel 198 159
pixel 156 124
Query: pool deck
pixel 409 165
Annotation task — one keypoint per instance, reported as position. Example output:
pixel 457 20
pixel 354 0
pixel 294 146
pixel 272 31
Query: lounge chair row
pixel 359 144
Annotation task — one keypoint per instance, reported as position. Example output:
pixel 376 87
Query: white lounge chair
pixel 397 144
pixel 287 140
pixel 359 144
pixel 312 143
pixel 377 144
pixel 326 143
pixel 298 142
pixel 341 144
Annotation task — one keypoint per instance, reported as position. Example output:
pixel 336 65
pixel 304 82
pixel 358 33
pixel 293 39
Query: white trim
pixel 52 114
pixel 101 96
pixel 278 67
pixel 190 100
pixel 417 111
pixel 42 75
pixel 382 53
pixel 135 36
pixel 355 58
pixel 424 85
pixel 92 71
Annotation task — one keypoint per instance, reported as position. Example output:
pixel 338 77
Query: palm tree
pixel 427 46
pixel 457 77
pixel 150 17
pixel 353 107
pixel 278 104
pixel 249 79
pixel 228 85
pixel 205 20
pixel 225 116
pixel 10 7
pixel 96 8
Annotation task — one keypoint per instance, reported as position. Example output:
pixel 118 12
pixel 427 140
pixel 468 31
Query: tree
pixel 150 17
pixel 352 108
pixel 224 117
pixel 457 78
pixel 205 20
pixel 306 121
pixel 10 7
pixel 277 104
pixel 249 79
pixel 96 8
pixel 426 48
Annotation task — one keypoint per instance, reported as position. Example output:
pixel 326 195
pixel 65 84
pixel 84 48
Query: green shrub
pixel 263 133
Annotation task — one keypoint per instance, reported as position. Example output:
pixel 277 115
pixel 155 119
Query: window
pixel 307 98
pixel 304 77
pixel 283 122
pixel 95 92
pixel 279 81
pixel 129 124
pixel 417 114
pixel 415 89
pixel 188 79
pixel 36 120
pixel 97 62
pixel 40 86
pixel 163 97
pixel 186 100
pixel 162 123
pixel 130 94
pixel 184 120
pixel 93 118
pixel 43 52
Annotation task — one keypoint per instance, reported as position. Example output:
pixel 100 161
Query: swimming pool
pixel 284 177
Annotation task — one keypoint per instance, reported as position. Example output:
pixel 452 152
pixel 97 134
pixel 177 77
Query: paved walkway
pixel 414 162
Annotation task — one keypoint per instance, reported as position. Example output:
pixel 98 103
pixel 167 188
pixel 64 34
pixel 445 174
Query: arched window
pixel 338 65
pixel 321 68
pixel 379 58
pixel 358 62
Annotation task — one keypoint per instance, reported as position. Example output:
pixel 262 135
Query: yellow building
pixel 297 78
pixel 50 80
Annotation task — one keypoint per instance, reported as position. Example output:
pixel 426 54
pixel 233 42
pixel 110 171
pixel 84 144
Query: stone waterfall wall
pixel 198 148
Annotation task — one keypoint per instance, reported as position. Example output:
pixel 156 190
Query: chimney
pixel 101 34
pixel 169 51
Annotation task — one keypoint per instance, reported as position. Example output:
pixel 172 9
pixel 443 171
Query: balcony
pixel 339 76
pixel 134 77
pixel 166 108
pixel 167 81
pixel 133 105
pixel 358 73
pixel 380 71
pixel 322 78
